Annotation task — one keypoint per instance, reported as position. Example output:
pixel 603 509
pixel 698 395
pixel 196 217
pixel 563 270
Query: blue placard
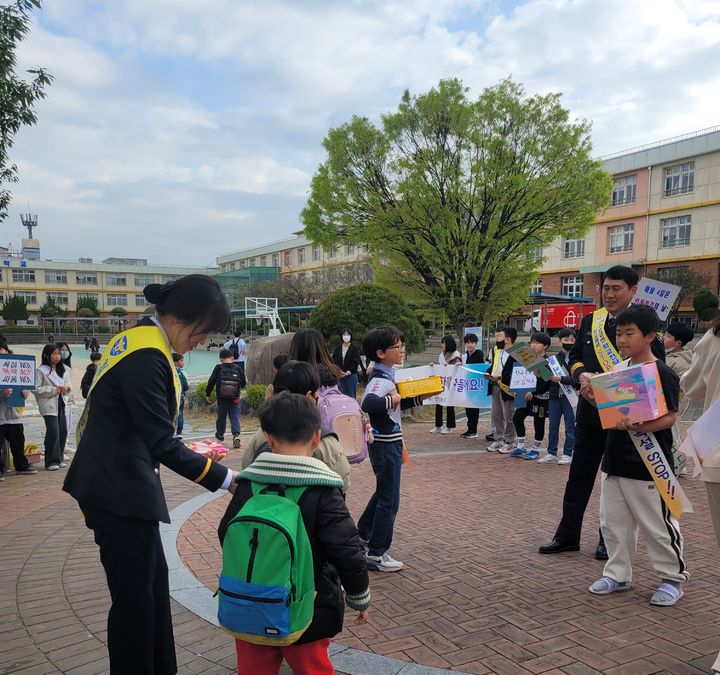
pixel 17 373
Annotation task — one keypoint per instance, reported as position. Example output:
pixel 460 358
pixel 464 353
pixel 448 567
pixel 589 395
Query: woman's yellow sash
pixel 124 344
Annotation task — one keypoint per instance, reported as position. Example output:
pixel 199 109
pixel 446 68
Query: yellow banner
pixel 141 337
pixel 665 480
pixel 606 353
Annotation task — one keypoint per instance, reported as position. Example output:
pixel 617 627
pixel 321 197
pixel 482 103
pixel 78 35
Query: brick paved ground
pixel 477 597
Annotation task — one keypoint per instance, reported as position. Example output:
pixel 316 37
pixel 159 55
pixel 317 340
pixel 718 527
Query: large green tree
pixel 17 97
pixel 15 309
pixel 455 195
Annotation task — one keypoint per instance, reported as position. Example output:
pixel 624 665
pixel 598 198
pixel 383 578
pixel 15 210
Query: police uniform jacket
pixel 582 359
pixel 129 433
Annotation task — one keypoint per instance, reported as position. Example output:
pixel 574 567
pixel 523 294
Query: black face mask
pixel 566 347
pixel 500 344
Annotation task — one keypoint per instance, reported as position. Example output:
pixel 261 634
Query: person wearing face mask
pixel 560 406
pixel 66 356
pixel 595 351
pixel 126 432
pixel 347 357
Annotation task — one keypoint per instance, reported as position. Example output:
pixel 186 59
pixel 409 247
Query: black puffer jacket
pixel 337 553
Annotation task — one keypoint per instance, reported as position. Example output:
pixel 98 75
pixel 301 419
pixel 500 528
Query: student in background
pixel 449 356
pixel 560 407
pixel 536 407
pixel 347 358
pixel 228 379
pixel 500 375
pixel 89 375
pixel 472 355
pixel 179 362
pixel 278 362
pixel 237 348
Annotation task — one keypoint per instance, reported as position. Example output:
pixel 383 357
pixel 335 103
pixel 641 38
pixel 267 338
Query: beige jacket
pixel 680 361
pixel 702 380
pixel 46 392
pixel 329 451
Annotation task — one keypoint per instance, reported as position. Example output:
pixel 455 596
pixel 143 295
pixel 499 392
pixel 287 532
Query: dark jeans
pixel 378 520
pixel 473 415
pixel 561 408
pixel 535 408
pixel 14 434
pixel 450 416
pixel 227 407
pixel 348 385
pixel 140 633
pixel 181 417
pixel 55 435
pixel 589 448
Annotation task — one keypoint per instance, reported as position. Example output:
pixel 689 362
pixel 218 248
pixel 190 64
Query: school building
pixel 664 219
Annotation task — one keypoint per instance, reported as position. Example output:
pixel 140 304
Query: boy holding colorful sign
pixel 635 455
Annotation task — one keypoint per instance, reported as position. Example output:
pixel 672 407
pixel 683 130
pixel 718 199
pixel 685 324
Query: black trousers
pixel 537 409
pixel 55 435
pixel 586 459
pixel 473 415
pixel 450 412
pixel 14 434
pixel 140 633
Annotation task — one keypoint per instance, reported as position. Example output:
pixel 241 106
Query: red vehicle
pixel 551 318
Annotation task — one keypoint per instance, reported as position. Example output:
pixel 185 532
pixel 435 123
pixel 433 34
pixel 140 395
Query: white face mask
pixel 346 338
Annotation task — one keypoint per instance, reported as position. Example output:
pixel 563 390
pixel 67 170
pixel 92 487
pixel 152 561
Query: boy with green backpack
pixel 288 543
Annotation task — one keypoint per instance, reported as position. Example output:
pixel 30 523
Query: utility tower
pixel 29 220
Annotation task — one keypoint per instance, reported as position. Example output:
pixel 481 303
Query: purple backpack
pixel 343 416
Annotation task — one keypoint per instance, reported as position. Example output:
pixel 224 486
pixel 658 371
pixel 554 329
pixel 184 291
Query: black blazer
pixel 130 432
pixel 352 360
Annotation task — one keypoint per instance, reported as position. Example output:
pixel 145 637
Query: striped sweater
pixel 377 403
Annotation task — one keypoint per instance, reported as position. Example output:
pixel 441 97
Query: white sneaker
pixel 445 430
pixel 505 449
pixel 436 430
pixel 383 563
pixel 548 459
pixel 494 447
pixel 565 459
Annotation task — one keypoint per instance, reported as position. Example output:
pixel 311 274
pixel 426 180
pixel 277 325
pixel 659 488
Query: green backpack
pixel 267 585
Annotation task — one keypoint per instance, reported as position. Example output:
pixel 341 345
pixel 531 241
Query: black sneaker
pixel 489 437
pixel 29 470
pixel 468 434
pixel 220 438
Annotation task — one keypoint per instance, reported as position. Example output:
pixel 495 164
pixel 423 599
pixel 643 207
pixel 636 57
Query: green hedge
pixel 201 393
pixel 255 395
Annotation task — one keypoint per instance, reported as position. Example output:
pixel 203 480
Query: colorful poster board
pixel 463 386
pixel 526 357
pixel 634 392
pixel 656 294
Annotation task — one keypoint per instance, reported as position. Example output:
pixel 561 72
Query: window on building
pixel 116 299
pixel 538 254
pixel 276 260
pixel 574 248
pixel 675 231
pixel 537 285
pixel 91 296
pixel 263 261
pixel 349 250
pixel 142 280
pixel 317 253
pixel 23 275
pixel 60 299
pixel 620 238
pixel 86 278
pixel 55 277
pixel 30 297
pixel 241 263
pixel 170 277
pixel 624 190
pixel 679 179
pixel 333 252
pixel 671 275
pixel 140 300
pixel 301 255
pixel 686 319
pixel 288 258
pixel 572 286
pixel 116 279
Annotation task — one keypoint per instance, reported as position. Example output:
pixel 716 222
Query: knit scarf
pixel 292 470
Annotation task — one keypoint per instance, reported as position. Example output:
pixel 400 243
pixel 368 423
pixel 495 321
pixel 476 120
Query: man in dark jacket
pixel 292 426
pixel 595 351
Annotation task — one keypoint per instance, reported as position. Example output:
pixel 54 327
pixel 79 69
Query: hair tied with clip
pixel 158 293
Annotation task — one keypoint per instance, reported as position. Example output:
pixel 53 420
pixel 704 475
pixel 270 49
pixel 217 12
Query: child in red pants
pixel 291 424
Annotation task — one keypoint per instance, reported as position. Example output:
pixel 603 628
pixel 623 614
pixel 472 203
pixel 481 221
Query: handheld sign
pixel 17 373
pixel 526 357
pixel 656 294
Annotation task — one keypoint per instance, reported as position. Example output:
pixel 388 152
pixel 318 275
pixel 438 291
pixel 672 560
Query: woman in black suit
pixel 126 433
pixel 347 357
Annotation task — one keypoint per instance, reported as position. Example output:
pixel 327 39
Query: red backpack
pixel 343 416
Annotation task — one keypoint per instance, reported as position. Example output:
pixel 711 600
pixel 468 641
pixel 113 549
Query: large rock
pixel 260 357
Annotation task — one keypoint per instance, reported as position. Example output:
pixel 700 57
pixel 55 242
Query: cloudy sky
pixel 179 130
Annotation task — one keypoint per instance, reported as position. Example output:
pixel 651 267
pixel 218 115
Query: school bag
pixel 266 594
pixel 230 381
pixel 234 349
pixel 343 416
